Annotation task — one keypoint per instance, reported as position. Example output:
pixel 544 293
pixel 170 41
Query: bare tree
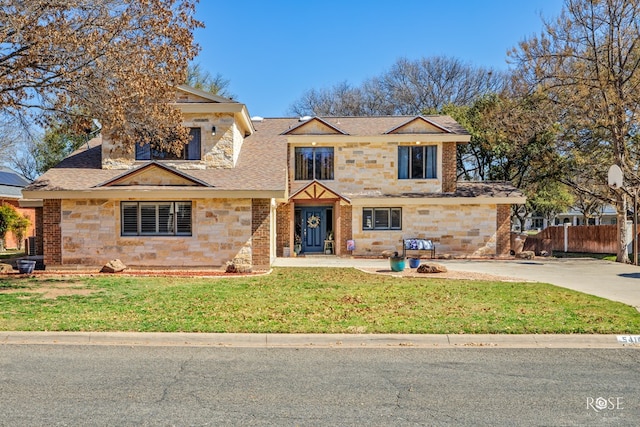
pixel 409 87
pixel 113 60
pixel 199 78
pixel 587 62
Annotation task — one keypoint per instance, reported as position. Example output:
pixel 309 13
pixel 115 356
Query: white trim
pixel 150 194
pixel 405 201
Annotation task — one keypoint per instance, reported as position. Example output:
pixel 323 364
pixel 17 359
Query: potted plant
pixel 297 247
pixel 286 250
pixel 397 262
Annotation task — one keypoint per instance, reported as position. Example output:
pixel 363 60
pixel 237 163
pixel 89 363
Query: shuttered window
pixel 156 218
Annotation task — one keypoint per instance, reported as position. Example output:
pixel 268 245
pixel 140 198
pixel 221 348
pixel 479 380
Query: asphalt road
pixel 149 386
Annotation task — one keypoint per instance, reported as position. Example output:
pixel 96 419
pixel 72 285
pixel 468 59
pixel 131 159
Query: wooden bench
pixel 416 244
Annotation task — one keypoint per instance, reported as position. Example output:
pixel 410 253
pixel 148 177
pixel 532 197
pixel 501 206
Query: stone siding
pixel 218 151
pixel 90 236
pixel 370 168
pixel 458 230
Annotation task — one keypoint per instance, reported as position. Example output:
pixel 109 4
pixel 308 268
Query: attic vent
pixel 257 119
pixel 304 118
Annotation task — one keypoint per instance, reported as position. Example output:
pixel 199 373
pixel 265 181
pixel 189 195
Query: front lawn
pixel 304 300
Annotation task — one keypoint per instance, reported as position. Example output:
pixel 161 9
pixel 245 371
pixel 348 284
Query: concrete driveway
pixel 610 280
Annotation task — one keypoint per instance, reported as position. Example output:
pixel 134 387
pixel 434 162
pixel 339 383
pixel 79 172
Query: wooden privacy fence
pixel 595 239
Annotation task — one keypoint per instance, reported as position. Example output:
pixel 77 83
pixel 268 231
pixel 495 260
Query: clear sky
pixel 273 51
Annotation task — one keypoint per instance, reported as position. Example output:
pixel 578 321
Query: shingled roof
pixel 261 165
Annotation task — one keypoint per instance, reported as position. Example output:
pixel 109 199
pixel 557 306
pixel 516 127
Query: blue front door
pixel 314 228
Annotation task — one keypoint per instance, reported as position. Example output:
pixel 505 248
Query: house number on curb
pixel 629 339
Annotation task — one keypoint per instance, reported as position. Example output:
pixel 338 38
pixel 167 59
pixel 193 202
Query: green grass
pixel 8 254
pixel 306 300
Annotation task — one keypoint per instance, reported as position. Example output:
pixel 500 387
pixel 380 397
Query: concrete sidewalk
pixel 610 280
pixel 310 341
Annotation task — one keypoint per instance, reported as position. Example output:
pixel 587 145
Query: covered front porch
pixel 314 221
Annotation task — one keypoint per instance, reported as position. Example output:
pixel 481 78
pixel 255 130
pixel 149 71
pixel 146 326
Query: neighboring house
pixel 244 188
pixel 11 185
pixel 606 215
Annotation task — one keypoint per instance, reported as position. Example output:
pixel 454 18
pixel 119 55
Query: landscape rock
pixel 389 254
pixel 525 255
pixel 6 268
pixel 432 267
pixel 113 266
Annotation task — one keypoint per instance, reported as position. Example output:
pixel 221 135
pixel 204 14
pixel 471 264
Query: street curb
pixel 336 341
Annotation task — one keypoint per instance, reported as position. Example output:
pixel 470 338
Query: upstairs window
pixel 191 151
pixel 417 162
pixel 313 163
pixel 156 218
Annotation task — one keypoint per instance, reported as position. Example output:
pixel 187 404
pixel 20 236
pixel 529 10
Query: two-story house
pixel 243 189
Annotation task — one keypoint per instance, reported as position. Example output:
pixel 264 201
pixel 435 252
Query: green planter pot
pixel 397 263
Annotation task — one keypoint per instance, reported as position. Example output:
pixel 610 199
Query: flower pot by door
pixel 397 263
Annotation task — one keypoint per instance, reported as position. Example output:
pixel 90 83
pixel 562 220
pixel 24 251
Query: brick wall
pixel 39 231
pixel 503 229
pixel 346 230
pixel 260 233
pixel 52 235
pixel 449 167
pixel 284 215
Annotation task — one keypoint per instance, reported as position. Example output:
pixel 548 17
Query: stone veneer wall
pixel 218 151
pixel 371 168
pixel 90 232
pixel 459 230
pixel 261 233
pixel 51 236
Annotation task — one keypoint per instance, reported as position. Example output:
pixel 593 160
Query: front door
pixel 314 228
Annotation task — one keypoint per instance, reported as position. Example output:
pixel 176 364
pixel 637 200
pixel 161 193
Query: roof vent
pixel 304 118
pixel 257 119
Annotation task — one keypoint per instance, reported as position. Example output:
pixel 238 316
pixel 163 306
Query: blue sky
pixel 274 51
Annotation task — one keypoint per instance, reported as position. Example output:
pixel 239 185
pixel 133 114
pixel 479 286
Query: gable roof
pixel 418 123
pixel 206 96
pixel 315 191
pixel 373 125
pixel 322 127
pixel 261 168
pixel 154 173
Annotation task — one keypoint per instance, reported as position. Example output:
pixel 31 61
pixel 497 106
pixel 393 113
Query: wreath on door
pixel 313 221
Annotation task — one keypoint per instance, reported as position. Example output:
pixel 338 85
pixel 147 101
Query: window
pixel 419 162
pixel 314 163
pixel 156 218
pixel 382 219
pixel 191 151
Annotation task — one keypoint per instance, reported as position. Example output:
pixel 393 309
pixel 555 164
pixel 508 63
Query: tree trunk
pixel 622 255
